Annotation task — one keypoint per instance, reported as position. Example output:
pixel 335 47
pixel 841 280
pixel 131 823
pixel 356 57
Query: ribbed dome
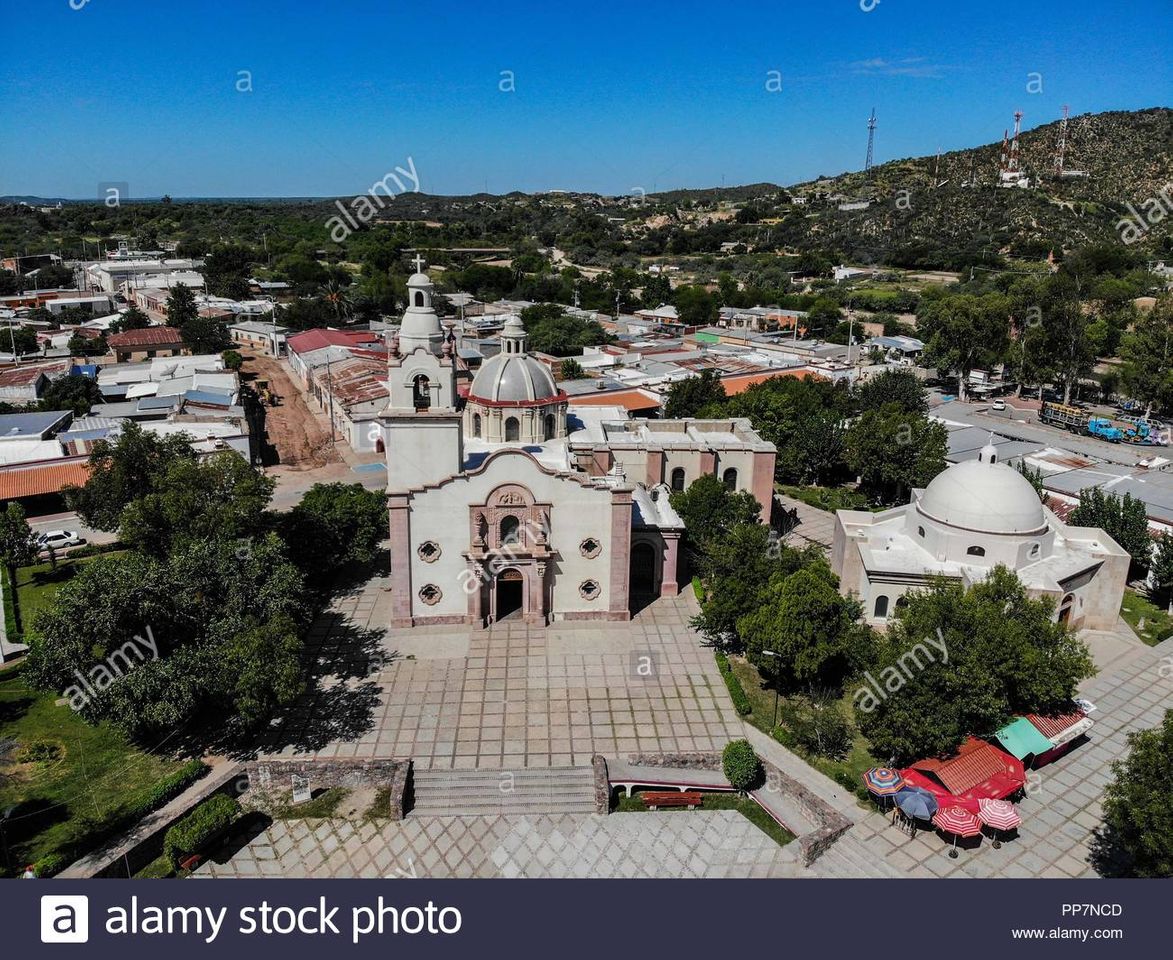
pixel 983 496
pixel 513 377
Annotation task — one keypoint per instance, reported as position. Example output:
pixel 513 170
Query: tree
pixel 1148 357
pixel 956 663
pixel 1068 345
pixel 132 319
pixel 807 626
pixel 226 270
pixel 22 340
pixel 123 470
pixel 1137 839
pixel 687 397
pixel 18 543
pixel 709 511
pixel 695 306
pixel 892 452
pixel 336 524
pixel 571 370
pixel 1125 520
pixel 900 387
pixel 181 306
pixel 205 335
pixel 741 765
pixel 232 359
pixel 551 331
pixel 1161 573
pixel 962 333
pixel 72 392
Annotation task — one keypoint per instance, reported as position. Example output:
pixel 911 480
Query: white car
pixel 58 540
pixel 998 404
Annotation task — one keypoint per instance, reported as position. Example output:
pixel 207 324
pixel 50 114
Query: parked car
pixel 998 404
pixel 58 540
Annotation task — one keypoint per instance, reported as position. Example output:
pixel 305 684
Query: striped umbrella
pixel 959 822
pixel 883 781
pixel 998 815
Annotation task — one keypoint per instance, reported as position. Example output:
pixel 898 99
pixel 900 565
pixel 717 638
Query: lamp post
pixel 777 683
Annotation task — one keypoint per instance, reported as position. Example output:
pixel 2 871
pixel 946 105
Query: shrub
pixel 206 822
pixel 169 787
pixel 736 691
pixel 49 865
pixel 40 751
pixel 819 727
pixel 743 769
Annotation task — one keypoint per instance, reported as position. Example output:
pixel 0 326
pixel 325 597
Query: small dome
pixel 512 377
pixel 419 280
pixel 985 496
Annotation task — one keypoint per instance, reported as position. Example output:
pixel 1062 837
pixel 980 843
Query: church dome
pixel 512 376
pixel 985 496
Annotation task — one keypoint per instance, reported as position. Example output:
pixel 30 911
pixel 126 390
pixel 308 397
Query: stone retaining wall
pixel 602 784
pixel 350 772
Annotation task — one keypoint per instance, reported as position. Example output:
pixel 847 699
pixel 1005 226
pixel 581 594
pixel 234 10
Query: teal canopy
pixel 1021 738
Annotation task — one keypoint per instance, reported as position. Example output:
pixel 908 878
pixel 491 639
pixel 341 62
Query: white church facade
pixel 510 503
pixel 970 518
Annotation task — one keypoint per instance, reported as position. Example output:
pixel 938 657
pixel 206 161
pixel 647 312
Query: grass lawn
pixel 849 769
pixel 720 801
pixel 37 585
pixel 90 779
pixel 828 498
pixel 1158 624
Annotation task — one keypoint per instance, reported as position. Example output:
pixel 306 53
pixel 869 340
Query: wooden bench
pixel 671 798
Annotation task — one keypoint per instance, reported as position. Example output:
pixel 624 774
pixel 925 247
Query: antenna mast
pixel 871 139
pixel 1061 147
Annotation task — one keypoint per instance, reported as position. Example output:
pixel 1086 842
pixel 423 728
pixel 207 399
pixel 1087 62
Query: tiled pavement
pixel 681 844
pixel 509 696
pixel 814 525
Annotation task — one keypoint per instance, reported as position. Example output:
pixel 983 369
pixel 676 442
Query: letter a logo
pixel 65 919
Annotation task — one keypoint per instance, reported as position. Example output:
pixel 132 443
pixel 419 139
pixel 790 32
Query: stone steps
pixel 849 857
pixel 530 790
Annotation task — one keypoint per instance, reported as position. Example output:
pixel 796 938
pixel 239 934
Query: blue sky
pixel 606 96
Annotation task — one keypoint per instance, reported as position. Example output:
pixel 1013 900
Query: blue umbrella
pixel 917 802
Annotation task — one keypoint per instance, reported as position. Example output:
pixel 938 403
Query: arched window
pixel 420 393
pixel 419 299
pixel 551 426
pixel 678 478
pixel 512 429
pixel 476 424
pixel 729 478
pixel 901 602
pixel 880 610
pixel 1034 549
pixel 510 529
pixel 920 532
pixel 976 551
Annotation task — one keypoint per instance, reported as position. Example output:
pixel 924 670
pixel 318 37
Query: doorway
pixel 510 594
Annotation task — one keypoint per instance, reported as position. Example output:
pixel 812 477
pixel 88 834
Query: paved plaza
pixel 719 843
pixel 509 696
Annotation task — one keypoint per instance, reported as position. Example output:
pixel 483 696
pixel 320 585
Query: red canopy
pixel 977 770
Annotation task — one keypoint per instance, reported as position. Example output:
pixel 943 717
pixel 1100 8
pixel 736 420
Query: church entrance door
pixel 510 594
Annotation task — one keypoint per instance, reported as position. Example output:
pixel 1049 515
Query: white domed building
pixel 972 517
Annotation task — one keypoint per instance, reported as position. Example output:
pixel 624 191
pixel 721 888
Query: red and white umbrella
pixel 998 815
pixel 959 822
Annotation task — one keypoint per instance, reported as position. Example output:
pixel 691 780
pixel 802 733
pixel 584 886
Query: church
pixel 511 503
pixel 971 517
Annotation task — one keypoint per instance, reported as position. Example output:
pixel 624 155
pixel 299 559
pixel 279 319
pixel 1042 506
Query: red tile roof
pixel 739 384
pixel 1052 726
pixel 628 399
pixel 317 339
pixel 146 337
pixel 31 481
pixel 976 761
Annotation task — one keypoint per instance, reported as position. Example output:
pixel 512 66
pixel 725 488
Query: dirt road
pixel 294 437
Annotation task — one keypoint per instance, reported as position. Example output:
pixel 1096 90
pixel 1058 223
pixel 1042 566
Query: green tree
pixel 808 624
pixel 1161 573
pixel 336 524
pixel 709 511
pixel 571 369
pixel 687 397
pixel 132 319
pixel 123 470
pixel 741 765
pixel 900 387
pixel 695 306
pixel 205 335
pixel 232 359
pixel 181 306
pixel 22 340
pixel 1124 519
pixel 1069 347
pixel 72 392
pixel 226 271
pixel 1137 840
pixel 18 543
pixel 963 333
pixel 1148 357
pixel 892 452
pixel 956 663
pixel 82 346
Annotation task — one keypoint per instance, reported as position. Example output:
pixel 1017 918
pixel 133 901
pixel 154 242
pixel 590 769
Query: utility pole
pixel 777 682
pixel 330 387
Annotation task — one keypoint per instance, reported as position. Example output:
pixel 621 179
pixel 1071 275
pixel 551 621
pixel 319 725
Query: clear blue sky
pixel 608 96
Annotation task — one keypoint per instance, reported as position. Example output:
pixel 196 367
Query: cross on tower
pixel 419 263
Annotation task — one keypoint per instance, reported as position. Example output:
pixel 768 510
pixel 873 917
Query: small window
pixel 421 392
pixel 430 594
pixel 589 589
pixel 920 532
pixel 551 426
pixel 678 479
pixel 419 299
pixel 590 548
pixel 976 551
pixel 429 551
pixel 880 611
pixel 512 429
pixel 729 478
pixel 476 424
pixel 1034 549
pixel 510 530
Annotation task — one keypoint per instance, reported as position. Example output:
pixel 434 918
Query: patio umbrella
pixel 916 802
pixel 959 822
pixel 882 781
pixel 998 815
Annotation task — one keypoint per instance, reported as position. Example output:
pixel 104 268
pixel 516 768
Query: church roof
pixel 985 496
